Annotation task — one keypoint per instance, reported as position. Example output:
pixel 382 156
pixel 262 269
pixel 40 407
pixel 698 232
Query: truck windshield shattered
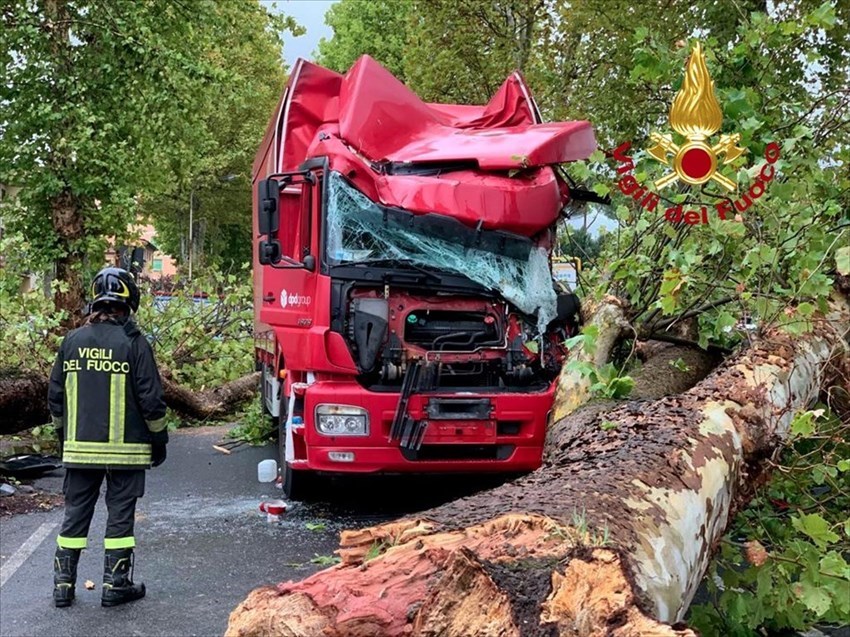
pixel 360 230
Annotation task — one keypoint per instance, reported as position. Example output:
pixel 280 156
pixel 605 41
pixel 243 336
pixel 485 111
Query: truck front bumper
pixel 510 438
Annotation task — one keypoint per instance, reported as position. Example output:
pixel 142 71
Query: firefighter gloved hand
pixel 158 454
pixel 158 441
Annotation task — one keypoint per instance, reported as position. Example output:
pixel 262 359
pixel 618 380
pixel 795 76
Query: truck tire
pixel 297 485
pixel 300 486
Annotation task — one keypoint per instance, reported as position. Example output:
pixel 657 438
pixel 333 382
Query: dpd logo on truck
pixel 294 299
pixel 695 115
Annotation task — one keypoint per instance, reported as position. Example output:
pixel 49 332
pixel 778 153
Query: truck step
pixel 409 385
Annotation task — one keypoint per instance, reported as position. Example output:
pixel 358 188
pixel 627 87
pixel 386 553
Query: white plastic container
pixel 267 470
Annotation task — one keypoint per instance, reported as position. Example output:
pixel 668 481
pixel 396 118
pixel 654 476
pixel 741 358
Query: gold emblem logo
pixel 696 115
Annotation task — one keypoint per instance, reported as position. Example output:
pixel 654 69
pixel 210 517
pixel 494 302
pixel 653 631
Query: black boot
pixel 118 586
pixel 65 575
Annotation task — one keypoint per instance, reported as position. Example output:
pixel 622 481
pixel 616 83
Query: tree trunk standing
pixel 611 536
pixel 523 27
pixel 68 225
pixel 64 206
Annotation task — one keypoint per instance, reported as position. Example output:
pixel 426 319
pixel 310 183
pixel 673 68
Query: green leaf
pixel 324 560
pixel 601 189
pixel 814 597
pixel 620 387
pixel 725 320
pixel 834 564
pixel 575 341
pixel 803 424
pixel 583 368
pixel 842 260
pixel 668 304
pixel 823 16
pixel 816 528
pixel 597 156
pixel 680 364
pixel 672 282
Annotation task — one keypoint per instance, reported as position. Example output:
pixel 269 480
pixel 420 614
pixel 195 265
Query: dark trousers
pixel 82 489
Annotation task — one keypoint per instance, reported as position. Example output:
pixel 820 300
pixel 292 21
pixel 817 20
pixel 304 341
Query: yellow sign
pixel 696 115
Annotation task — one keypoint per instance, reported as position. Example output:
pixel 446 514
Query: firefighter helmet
pixel 114 285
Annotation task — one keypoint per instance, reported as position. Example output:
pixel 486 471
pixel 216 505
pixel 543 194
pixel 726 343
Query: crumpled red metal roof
pixel 368 118
pixel 384 120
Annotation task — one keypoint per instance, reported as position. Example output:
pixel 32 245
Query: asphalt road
pixel 202 546
pixel 202 543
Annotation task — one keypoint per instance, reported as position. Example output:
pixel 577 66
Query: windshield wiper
pixel 406 263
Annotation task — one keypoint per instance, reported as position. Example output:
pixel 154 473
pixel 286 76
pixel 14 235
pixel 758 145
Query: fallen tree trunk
pixel 212 402
pixel 611 536
pixel 23 399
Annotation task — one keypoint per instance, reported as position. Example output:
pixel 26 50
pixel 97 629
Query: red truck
pixel 406 316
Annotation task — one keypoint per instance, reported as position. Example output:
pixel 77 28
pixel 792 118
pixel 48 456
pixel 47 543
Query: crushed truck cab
pixel 406 315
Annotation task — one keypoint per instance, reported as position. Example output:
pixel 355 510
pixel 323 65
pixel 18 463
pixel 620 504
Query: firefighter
pixel 106 400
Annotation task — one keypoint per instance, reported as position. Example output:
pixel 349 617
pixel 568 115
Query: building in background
pixel 142 256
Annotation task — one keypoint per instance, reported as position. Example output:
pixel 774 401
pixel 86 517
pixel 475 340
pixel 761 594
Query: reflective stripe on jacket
pixel 105 392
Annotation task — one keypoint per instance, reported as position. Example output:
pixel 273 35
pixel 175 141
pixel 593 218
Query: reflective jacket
pixel 106 396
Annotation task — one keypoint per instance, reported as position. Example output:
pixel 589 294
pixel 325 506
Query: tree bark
pixel 68 226
pixel 66 213
pixel 23 399
pixel 611 536
pixel 213 402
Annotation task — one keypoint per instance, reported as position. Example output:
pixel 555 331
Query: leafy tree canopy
pixel 377 28
pixel 107 104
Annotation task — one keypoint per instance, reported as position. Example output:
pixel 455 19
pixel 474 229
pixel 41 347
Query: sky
pixel 310 14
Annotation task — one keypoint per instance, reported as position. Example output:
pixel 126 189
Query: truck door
pixel 289 250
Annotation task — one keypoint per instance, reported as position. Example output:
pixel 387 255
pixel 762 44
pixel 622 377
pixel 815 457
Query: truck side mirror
pixel 268 217
pixel 269 252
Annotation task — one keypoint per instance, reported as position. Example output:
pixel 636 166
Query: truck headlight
pixel 342 420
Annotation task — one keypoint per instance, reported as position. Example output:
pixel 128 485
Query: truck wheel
pixel 299 485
